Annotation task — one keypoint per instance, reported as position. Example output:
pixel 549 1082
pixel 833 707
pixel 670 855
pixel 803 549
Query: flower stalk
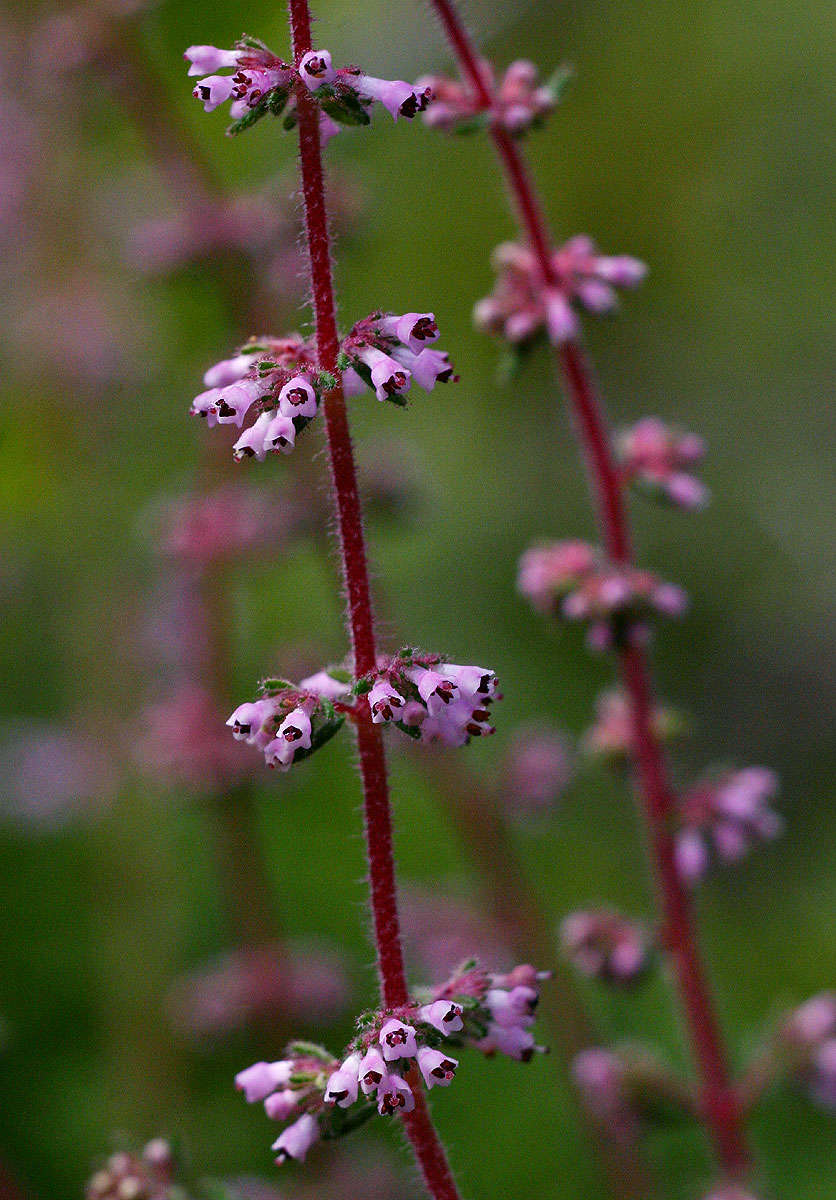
pixel 420 1130
pixel 720 1108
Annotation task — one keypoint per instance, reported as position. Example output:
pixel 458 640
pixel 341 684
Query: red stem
pixel 418 1124
pixel 720 1107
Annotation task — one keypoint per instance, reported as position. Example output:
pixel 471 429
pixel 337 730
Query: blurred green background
pixel 693 137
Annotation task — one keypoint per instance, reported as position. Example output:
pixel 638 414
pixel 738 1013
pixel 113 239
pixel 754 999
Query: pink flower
pixel 437 702
pixel 297 1139
pixel 394 1094
pixel 316 69
pixel 262 1078
pixel 344 1083
pixel 384 702
pixel 578 583
pixel 724 816
pixel 297 398
pixel 205 60
pixel 280 1105
pixel 286 723
pixel 521 101
pixel 397 1040
pixel 538 768
pixel 437 1069
pixel 388 351
pixel 611 735
pixel 603 944
pixel 259 76
pixel 371 1070
pixel 600 1076
pixel 523 305
pixel 655 457
pixel 443 1015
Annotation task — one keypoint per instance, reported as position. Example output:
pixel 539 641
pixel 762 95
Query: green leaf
pixel 413 731
pixel 248 119
pixel 342 106
pixel 343 361
pixel 475 124
pixel 291 119
pixel 341 674
pixel 325 381
pixel 302 1049
pixel 276 100
pixel 362 687
pixel 319 737
pixel 559 80
pixel 271 687
pixel 246 40
pixel 343 1121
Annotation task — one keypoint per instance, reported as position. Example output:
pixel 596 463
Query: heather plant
pixel 541 294
pixel 272 389
pixel 269 390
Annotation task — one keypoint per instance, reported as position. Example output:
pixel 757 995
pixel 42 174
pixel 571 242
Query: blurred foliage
pixel 692 137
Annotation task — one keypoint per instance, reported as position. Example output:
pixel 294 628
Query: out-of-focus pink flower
pixel 611 735
pixel 604 944
pixel 538 768
pixel 292 981
pixel 806 1046
pixel 723 816
pixel 659 459
pixel 523 305
pixel 576 582
pixel 601 1078
pixel 521 100
pixel 149 1176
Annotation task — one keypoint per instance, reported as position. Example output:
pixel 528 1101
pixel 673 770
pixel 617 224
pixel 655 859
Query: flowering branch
pixel 420 1129
pixel 721 1110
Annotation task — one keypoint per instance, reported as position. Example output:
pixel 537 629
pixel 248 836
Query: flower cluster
pixel 262 83
pixel 657 459
pixel 538 768
pixel 521 100
pixel 807 1042
pixel 523 305
pixel 431 700
pixel 145 1177
pixel 288 723
pixel 277 381
pixel 611 736
pixel 602 943
pixel 723 816
pixel 576 582
pixel 426 698
pixel 493 1013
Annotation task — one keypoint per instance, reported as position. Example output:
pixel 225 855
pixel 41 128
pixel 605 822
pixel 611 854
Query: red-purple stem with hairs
pixel 394 991
pixel 720 1107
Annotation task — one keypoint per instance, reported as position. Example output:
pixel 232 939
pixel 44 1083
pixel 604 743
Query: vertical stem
pixel 720 1107
pixel 419 1127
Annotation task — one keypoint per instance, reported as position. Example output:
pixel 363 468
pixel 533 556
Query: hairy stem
pixel 419 1127
pixel 719 1106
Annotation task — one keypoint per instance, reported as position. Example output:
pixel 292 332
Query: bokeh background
pixel 693 137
